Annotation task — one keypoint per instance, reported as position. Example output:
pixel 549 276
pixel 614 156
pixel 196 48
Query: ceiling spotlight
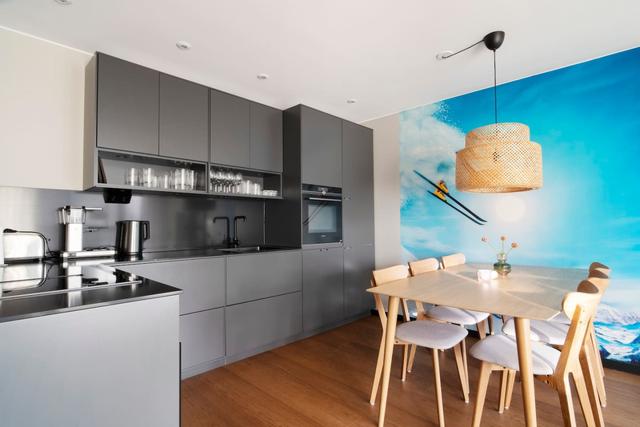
pixel 183 45
pixel 351 101
pixel 262 76
pixel 64 2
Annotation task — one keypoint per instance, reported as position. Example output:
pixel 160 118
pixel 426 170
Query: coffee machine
pixel 73 219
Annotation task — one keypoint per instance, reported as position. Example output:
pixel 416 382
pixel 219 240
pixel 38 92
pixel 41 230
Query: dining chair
pixel 424 333
pixel 551 366
pixel 554 333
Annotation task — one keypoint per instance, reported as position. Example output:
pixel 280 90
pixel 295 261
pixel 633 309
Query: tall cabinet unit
pixel 357 216
pixel 322 290
pixel 321 140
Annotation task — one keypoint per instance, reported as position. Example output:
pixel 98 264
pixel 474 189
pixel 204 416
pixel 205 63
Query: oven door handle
pixel 323 199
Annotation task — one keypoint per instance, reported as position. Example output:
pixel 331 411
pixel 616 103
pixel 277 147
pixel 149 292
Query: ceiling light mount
pixel 262 76
pixel 492 41
pixel 183 45
pixel 64 2
pixel 351 101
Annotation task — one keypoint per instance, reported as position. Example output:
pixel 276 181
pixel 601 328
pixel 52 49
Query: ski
pixel 449 204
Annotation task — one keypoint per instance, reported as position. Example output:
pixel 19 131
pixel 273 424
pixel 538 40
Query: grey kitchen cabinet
pixel 255 276
pixel 359 262
pixel 203 339
pixel 322 287
pixel 321 148
pixel 252 326
pixel 184 119
pixel 127 106
pixel 230 130
pixel 266 138
pixel 202 280
pixel 357 188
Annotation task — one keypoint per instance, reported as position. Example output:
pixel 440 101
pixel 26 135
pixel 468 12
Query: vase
pixel 502 267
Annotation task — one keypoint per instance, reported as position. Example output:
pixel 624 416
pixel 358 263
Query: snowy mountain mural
pixel 587 119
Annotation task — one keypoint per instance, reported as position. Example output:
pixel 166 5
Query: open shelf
pixel 245 183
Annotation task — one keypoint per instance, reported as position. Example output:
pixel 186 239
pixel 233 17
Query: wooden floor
pixel 325 380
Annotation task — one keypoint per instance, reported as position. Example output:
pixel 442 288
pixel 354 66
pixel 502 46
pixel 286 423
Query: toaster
pixel 23 245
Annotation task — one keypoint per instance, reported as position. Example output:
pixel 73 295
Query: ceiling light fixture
pixel 262 76
pixel 351 101
pixel 183 45
pixel 500 157
pixel 64 2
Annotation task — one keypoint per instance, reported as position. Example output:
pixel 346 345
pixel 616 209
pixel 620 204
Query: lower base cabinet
pixel 322 287
pixel 203 343
pixel 254 325
pixel 359 262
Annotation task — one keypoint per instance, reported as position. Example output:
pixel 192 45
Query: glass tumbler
pixel 131 177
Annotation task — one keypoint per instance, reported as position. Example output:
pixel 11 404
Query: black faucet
pixel 227 237
pixel 236 242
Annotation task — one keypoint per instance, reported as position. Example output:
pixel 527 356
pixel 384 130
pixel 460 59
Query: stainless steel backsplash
pixel 177 222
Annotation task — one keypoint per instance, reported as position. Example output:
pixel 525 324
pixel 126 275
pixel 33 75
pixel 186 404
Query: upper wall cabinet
pixel 321 147
pixel 266 138
pixel 184 119
pixel 127 106
pixel 230 130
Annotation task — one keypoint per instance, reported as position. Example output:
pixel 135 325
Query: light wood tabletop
pixel 527 293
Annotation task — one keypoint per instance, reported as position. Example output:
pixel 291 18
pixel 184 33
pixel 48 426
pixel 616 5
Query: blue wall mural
pixel 587 119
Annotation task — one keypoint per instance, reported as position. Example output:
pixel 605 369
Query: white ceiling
pixel 321 53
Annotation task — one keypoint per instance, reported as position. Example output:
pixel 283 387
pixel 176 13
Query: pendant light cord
pixel 495 89
pixel 462 50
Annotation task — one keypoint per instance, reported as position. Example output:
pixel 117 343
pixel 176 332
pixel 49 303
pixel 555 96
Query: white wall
pixel 41 112
pixel 386 162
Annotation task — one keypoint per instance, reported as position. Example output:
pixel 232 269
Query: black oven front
pixel 321 214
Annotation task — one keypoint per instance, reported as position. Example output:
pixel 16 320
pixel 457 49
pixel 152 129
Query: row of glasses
pixel 175 179
pixel 225 181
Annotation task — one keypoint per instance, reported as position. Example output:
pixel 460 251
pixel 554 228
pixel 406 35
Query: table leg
pixel 392 319
pixel 526 372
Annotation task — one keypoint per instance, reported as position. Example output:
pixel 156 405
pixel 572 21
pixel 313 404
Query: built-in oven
pixel 321 215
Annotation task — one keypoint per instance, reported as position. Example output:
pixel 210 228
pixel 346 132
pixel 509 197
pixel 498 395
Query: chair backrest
pixel 386 275
pixel 423 266
pixel 599 278
pixel 453 259
pixel 580 307
pixel 596 266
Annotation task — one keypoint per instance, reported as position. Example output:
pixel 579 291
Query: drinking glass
pixel 131 177
pixel 147 177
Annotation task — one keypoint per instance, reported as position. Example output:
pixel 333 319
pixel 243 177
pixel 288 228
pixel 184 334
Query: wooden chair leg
pixel 482 331
pixel 566 402
pixel 598 369
pixel 586 364
pixel 503 390
pixel 405 359
pixel 464 381
pixel 464 361
pixel 412 357
pixel 490 323
pixel 510 383
pixel 436 379
pixel 583 397
pixel 378 373
pixel 483 383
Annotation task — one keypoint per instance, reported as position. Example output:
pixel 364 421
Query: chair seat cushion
pixel 430 334
pixel 553 333
pixel 456 315
pixel 502 350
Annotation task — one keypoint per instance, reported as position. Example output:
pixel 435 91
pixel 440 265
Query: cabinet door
pixel 184 119
pixel 202 280
pixel 357 189
pixel 202 337
pixel 251 277
pixel 266 138
pixel 230 130
pixel 322 287
pixel 321 148
pixel 127 106
pixel 359 262
pixel 253 325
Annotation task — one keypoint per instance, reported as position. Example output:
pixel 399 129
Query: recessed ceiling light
pixel 64 2
pixel 351 101
pixel 262 76
pixel 183 45
pixel 444 55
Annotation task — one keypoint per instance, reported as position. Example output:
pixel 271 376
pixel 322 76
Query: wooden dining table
pixel 527 293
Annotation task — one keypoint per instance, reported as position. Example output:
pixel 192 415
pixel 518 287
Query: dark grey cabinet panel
pixel 259 323
pixel 127 106
pixel 357 188
pixel 359 261
pixel 266 138
pixel 202 337
pixel 251 277
pixel 184 119
pixel 202 280
pixel 230 130
pixel 322 287
pixel 321 148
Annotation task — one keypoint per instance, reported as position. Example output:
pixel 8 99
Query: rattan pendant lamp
pixel 500 157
